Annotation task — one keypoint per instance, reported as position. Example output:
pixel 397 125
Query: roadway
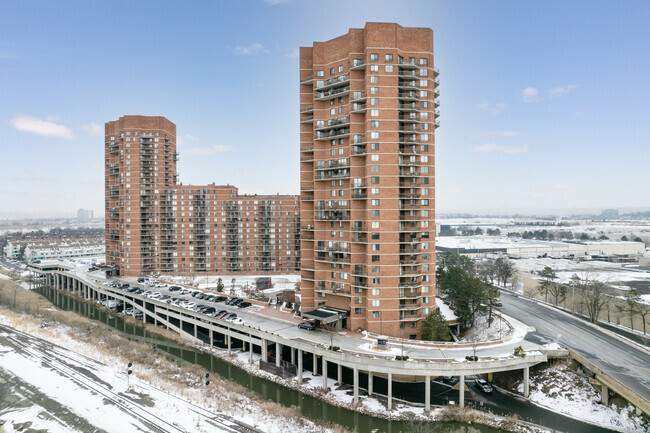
pixel 626 362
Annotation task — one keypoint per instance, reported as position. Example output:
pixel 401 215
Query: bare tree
pixel 596 296
pixel 504 270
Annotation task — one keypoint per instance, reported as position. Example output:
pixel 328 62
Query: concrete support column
pixel 370 381
pixel 427 393
pixel 339 374
pixel 299 366
pixel 526 381
pixel 264 350
pixel 324 373
pixel 604 395
pixel 355 385
pixel 228 339
pixel 250 351
pixel 461 391
pixel 293 356
pixel 278 354
pixel 390 391
pixel 211 337
pixel 315 365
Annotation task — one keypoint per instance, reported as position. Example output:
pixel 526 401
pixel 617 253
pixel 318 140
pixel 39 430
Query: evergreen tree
pixel 435 328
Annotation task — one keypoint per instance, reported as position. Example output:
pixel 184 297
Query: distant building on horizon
pixel 85 215
pixel 368 114
pixel 155 225
pixel 609 214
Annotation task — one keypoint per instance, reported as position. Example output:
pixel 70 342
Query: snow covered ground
pixel 563 390
pixel 79 388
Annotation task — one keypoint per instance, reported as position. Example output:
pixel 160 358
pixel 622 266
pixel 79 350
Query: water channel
pixel 310 407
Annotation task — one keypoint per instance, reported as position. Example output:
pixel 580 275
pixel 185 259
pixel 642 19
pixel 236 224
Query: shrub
pixel 519 351
pixel 471 358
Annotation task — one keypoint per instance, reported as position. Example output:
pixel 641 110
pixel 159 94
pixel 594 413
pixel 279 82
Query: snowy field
pixel 560 389
pixel 61 390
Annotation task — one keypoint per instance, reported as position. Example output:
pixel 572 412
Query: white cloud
pixel 492 108
pixel 557 91
pixel 92 129
pixel 37 126
pixel 499 148
pixel 180 140
pixel 254 48
pixel 530 94
pixel 501 134
pixel 204 151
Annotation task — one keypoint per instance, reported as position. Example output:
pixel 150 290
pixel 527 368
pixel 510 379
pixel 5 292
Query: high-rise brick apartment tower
pixel 155 225
pixel 368 113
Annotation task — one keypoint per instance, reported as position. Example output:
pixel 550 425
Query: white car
pixel 236 320
pixel 184 292
pixel 154 295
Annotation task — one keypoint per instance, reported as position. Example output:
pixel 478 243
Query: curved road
pixel 625 362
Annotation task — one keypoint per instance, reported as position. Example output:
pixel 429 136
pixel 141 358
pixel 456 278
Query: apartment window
pixel 374 90
pixel 424 61
pixel 358 311
pixel 375 259
pixel 375 314
pixel 320 83
pixel 424 104
pixel 374 135
pixel 389 57
pixel 424 72
pixel 375 247
pixel 374 123
pixel 374 146
pixel 374 213
pixel 376 270
pixel 340 68
pixel 374 79
pixel 375 303
pixel 375 236
pixel 374 112
pixel 374 191
pixel 374 168
pixel 424 83
pixel 424 158
pixel 424 93
pixel 424 137
pixel 374 101
pixel 374 157
pixel 374 180
pixel 389 68
pixel 374 68
pixel 376 280
pixel 374 57
pixel 375 202
pixel 320 73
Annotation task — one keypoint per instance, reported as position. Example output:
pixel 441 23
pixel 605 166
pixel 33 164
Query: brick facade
pixel 368 113
pixel 155 225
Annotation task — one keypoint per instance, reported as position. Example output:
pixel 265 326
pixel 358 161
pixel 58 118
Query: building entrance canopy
pixel 324 316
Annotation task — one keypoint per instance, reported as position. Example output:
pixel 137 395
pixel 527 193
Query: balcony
pixel 409 150
pixel 408 85
pixel 307 228
pixel 358 108
pixel 409 173
pixel 408 96
pixel 436 114
pixel 332 258
pixel 410 306
pixel 358 65
pixel 307 119
pixel 436 72
pixel 332 93
pixel 409 107
pixel 333 216
pixel 411 118
pixel 307 158
pixel 337 122
pixel 408 140
pixel 358 194
pixel 308 148
pixel 309 79
pixel 410 250
pixel 306 198
pixel 334 248
pixel 359 150
pixel 113 148
pixel 410 261
pixel 307 110
pixel 359 237
pixel 332 134
pixel 436 92
pixel 436 124
pixel 407 74
pixel 408 284
pixel 409 195
pixel 407 64
pixel 409 162
pixel 358 96
pixel 410 129
pixel 335 82
pixel 359 139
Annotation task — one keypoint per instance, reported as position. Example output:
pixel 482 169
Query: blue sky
pixel 544 103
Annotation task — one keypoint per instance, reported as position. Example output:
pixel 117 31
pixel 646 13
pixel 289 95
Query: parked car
pixel 236 302
pixel 497 303
pixel 174 288
pixel 140 280
pixel 232 301
pixel 220 298
pixel 197 294
pixel 236 320
pixel 222 315
pixel 184 292
pixel 482 385
pixel 309 326
pixel 244 304
pixel 230 316
pixel 218 313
